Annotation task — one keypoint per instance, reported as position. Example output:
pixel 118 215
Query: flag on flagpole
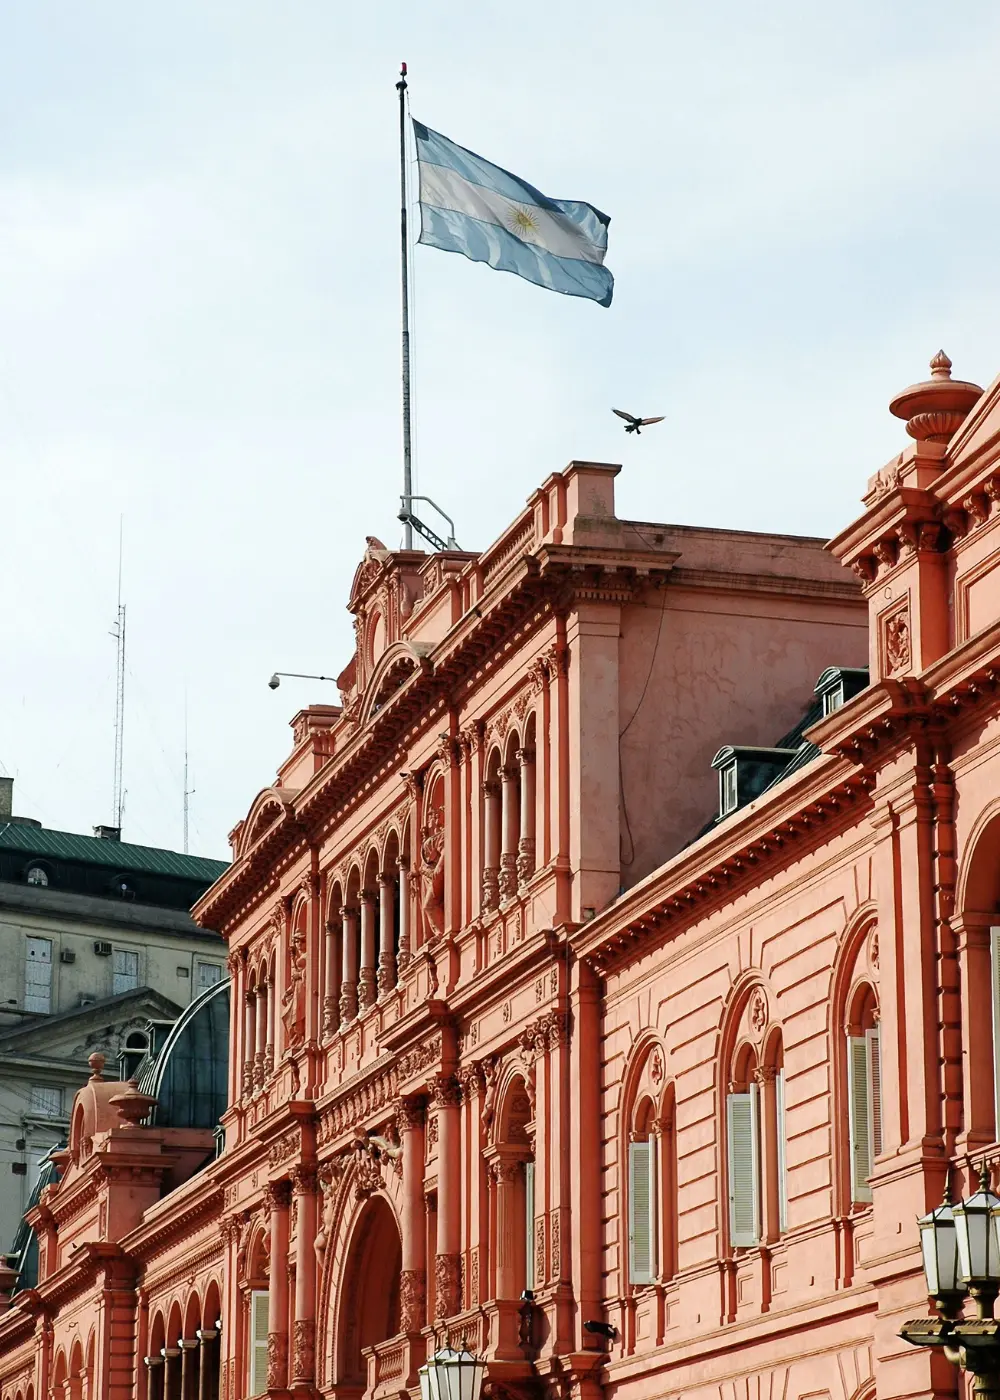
pixel 468 205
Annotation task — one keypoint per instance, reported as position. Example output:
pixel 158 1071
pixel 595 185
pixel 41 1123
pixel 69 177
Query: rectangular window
pixel 779 1091
pixel 38 975
pixel 207 975
pixel 744 1169
pixel 258 1341
pixel 727 789
pixel 125 971
pixel 529 1225
pixel 46 1102
pixel 642 1211
pixel 864 1084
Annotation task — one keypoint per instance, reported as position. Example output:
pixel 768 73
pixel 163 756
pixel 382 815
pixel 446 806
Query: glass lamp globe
pixel 939 1248
pixel 452 1375
pixel 976 1236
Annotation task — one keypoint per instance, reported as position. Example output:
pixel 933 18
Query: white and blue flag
pixel 469 206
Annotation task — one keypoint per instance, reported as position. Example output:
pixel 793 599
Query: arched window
pixel 643 1196
pixel 756 1167
pixel 864 1090
pixel 134 1051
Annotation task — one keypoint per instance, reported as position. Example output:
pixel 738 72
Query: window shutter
pixel 741 1116
pixel 874 1042
pixel 995 979
pixel 258 1341
pixel 529 1225
pixel 857 1095
pixel 779 1093
pixel 640 1233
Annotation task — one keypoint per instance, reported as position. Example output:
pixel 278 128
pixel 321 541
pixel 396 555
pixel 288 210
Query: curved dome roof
pixel 189 1078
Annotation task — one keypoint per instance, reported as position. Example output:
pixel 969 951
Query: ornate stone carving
pixel 491 889
pixel 303 1349
pixel 410 1114
pixel 897 642
pixel 277 1195
pixel 525 859
pixel 555 1259
pixel 369 1178
pixel 283 1147
pixel 758 1010
pixel 293 1003
pixel 277 1360
pixel 447 1285
pixel 873 949
pixel 656 1066
pixel 304 1181
pixel 446 1091
pixel 507 878
pixel 412 1300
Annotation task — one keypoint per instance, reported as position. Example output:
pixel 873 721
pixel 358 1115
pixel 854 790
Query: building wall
pixel 448 1044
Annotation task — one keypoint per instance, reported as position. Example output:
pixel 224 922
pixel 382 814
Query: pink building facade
pixel 613 977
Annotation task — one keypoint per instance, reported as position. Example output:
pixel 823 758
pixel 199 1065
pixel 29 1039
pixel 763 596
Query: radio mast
pixel 118 632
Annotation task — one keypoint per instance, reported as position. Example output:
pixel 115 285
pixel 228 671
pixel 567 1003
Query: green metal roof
pixel 113 855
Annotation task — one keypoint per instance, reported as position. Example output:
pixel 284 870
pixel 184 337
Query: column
pixel 154 1383
pixel 510 819
pixel 249 1042
pixel 261 1046
pixel 413 1276
pixel 404 915
pixel 304 1334
pixel 765 1077
pixel 447 1265
pixel 386 933
pixel 171 1372
pixel 206 1352
pixel 331 989
pixel 507 1175
pixel 188 1346
pixel 349 977
pixel 491 843
pixel 526 844
pixel 366 978
pixel 276 1195
pixel 272 1001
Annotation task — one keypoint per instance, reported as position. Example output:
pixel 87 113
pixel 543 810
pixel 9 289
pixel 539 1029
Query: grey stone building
pixel 97 952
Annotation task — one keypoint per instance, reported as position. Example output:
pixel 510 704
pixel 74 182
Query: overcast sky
pixel 199 321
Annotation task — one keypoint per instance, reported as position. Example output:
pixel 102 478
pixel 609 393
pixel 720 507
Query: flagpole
pixel 405 266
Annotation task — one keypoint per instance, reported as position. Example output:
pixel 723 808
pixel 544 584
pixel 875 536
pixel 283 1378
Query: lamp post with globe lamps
pixel 960 1249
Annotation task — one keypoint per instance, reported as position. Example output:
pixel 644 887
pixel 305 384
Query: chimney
pixel 6 799
pixel 108 833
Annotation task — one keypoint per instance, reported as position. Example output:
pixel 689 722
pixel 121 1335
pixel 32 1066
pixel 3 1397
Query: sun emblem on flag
pixel 521 220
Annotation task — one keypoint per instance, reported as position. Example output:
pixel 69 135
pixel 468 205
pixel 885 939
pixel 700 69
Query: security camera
pixel 275 681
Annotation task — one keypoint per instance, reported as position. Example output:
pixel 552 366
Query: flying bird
pixel 633 425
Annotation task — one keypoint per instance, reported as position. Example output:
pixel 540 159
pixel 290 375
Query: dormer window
pixel 36 875
pixel 745 772
pixel 838 684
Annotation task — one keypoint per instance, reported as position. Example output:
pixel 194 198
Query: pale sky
pixel 199 321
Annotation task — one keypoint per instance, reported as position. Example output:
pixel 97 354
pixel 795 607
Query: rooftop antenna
pixel 188 792
pixel 118 632
pixel 410 521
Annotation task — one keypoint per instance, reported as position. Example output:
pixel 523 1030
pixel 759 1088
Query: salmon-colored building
pixel 612 978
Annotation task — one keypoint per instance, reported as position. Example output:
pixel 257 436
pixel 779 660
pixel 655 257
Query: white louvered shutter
pixel 779 1093
pixel 859 1116
pixel 529 1225
pixel 995 980
pixel 640 1212
pixel 258 1341
pixel 744 1194
pixel 874 1042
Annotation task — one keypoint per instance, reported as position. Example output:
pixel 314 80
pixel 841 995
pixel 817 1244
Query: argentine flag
pixel 469 206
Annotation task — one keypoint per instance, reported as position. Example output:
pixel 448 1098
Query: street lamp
pixel 978 1246
pixel 960 1248
pixel 275 680
pixel 452 1375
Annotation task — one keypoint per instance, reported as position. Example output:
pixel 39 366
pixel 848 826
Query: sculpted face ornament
pixel 758 1011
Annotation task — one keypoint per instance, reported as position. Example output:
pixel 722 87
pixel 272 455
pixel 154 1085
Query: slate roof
pixel 113 855
pixel 855 678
